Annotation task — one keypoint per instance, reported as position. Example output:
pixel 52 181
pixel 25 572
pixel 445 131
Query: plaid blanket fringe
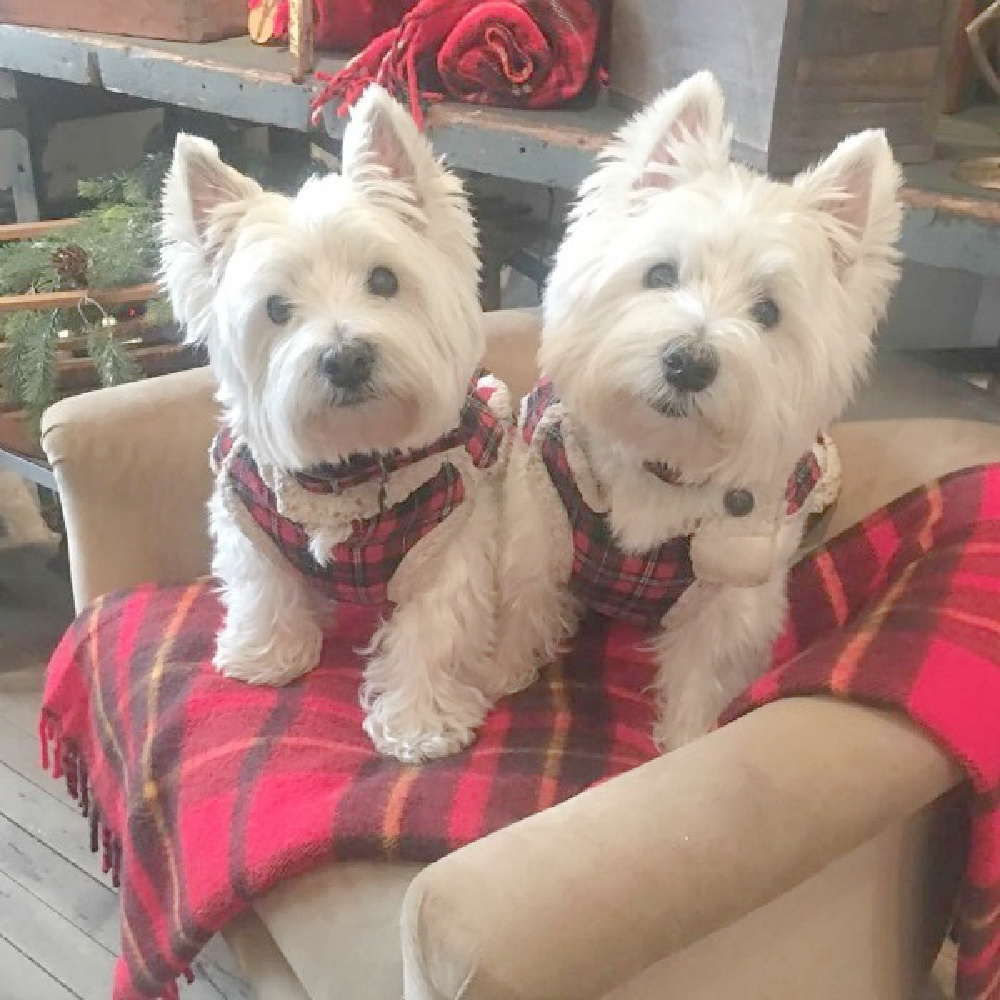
pixel 68 763
pixel 899 612
pixel 63 757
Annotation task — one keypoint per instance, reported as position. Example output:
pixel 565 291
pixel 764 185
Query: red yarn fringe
pixel 390 61
pixel 64 759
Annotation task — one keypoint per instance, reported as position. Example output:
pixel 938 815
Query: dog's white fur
pixel 823 247
pixel 227 246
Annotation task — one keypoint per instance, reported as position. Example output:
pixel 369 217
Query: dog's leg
pixel 715 641
pixel 428 683
pixel 538 613
pixel 271 633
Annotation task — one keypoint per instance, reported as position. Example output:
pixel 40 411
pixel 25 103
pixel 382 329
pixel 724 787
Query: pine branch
pixel 158 312
pixel 138 186
pixel 30 362
pixel 19 330
pixel 25 265
pixel 121 244
pixel 40 370
pixel 120 233
pixel 114 365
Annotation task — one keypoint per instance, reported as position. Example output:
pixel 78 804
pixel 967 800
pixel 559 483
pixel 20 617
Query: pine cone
pixel 70 263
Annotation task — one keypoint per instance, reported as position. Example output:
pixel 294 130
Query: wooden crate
pixel 177 20
pixel 960 69
pixel 261 23
pixel 799 75
pixel 155 350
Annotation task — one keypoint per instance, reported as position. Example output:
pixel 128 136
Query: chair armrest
pixel 581 898
pixel 131 464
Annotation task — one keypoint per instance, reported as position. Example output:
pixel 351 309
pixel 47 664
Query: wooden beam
pixel 300 38
pixel 17 154
pixel 984 210
pixel 74 296
pixel 32 230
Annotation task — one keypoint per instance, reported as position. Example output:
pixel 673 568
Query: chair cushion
pixel 207 792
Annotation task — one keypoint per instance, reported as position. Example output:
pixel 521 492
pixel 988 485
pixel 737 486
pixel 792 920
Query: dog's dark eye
pixel 661 276
pixel 766 313
pixel 383 282
pixel 279 310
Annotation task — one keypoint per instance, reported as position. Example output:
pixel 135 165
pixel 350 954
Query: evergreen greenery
pixel 113 245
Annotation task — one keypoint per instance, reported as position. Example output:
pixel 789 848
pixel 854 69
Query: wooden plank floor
pixel 59 931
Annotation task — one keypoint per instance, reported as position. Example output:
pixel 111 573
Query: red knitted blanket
pixel 183 771
pixel 513 53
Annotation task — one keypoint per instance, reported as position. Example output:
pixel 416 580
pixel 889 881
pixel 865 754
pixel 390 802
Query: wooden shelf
pixel 949 224
pixel 73 296
pixel 236 78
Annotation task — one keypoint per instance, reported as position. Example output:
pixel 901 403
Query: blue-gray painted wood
pixel 240 80
pixel 940 240
pixel 220 77
pixel 28 468
pixel 553 148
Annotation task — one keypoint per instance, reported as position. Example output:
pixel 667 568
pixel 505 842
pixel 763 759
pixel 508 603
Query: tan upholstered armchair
pixel 832 879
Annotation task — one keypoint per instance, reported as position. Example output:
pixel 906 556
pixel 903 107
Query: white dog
pixel 703 326
pixel 362 456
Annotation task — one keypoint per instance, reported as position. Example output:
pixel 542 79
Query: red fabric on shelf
pixel 512 53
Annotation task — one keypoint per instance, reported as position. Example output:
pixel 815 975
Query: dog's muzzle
pixel 348 367
pixel 689 366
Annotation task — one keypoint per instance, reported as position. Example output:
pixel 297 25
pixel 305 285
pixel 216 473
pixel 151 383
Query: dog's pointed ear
pixel 383 144
pixel 680 135
pixel 856 190
pixel 202 196
pixel 203 201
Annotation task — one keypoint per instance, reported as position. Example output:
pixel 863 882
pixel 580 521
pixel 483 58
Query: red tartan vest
pixel 635 587
pixel 360 568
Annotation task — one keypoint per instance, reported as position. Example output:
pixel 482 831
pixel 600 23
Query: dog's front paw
pixel 416 745
pixel 279 659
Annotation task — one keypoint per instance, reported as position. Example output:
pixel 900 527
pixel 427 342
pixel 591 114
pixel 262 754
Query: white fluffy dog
pixel 361 457
pixel 703 326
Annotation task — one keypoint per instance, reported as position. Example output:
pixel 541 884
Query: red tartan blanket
pixel 183 772
pixel 513 53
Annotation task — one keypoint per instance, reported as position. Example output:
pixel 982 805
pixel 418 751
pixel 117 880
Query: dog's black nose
pixel 348 366
pixel 690 367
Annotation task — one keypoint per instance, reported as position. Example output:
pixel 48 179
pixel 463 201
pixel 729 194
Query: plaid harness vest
pixel 361 566
pixel 635 587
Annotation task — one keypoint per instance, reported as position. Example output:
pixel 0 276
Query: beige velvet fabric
pixel 591 894
pixel 805 833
